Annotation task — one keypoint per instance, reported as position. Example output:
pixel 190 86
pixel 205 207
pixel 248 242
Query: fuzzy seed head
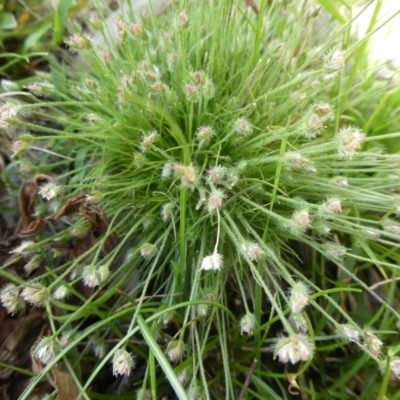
pixel 349 332
pixel 335 60
pixel 324 109
pixel 294 348
pixel 294 160
pixel 25 247
pixel 45 350
pixel 372 342
pixel 137 31
pixel 33 263
pixel 61 292
pixel 91 276
pixel 335 251
pixel 192 92
pixel 394 367
pixel 349 140
pixel 299 297
pixel 298 322
pixel 148 140
pixel 331 206
pixel 248 324
pixel 212 262
pixel 167 211
pixel 242 127
pixel 251 250
pixel 35 294
pixel 216 174
pixel 80 42
pixel 167 170
pixel 215 200
pixel 99 348
pixel 175 350
pixel 18 146
pixel 122 363
pixel 182 20
pixel 65 339
pixel 9 297
pixel 301 218
pixel 205 133
pixel 41 89
pixel 314 123
pixel 49 191
pixel 187 174
pixel 148 250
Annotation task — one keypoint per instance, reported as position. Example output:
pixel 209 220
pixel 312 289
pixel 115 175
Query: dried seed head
pixel 248 323
pixel 295 348
pixel 122 363
pixel 299 297
pixel 212 262
pixel 9 297
pixel 175 350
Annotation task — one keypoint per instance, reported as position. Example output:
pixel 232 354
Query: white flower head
pixel 122 363
pixel 50 191
pixel 251 250
pixel 61 292
pixel 24 248
pixel 294 348
pixel 45 350
pixel 372 342
pixel 9 297
pixel 248 324
pixel 349 332
pixel 91 277
pixel 299 297
pixel 35 293
pixel 212 262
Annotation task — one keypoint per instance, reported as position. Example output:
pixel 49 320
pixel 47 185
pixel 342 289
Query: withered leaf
pixel 63 383
pixel 34 228
pixel 15 349
pixel 72 206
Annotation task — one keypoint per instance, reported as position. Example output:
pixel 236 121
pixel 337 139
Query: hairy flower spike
pixel 61 292
pixel 122 363
pixel 294 160
pixel 167 211
pixel 295 348
pixel 329 208
pixel 335 60
pixel 212 262
pixel 9 297
pixel 302 219
pixel 216 174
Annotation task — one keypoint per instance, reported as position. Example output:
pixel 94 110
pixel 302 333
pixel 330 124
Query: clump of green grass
pixel 250 206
